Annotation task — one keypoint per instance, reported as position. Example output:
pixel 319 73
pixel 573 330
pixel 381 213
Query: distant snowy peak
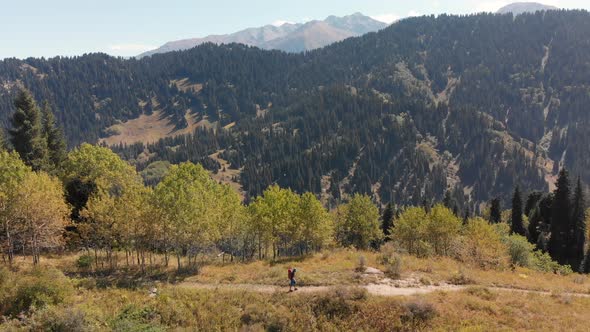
pixel 518 8
pixel 286 36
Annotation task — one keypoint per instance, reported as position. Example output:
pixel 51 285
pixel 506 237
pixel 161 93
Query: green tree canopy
pixel 358 223
pixel 12 173
pixel 40 207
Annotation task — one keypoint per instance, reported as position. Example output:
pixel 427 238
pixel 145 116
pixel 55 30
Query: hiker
pixel 292 282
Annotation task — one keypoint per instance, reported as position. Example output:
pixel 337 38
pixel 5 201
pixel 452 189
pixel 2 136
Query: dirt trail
pixel 373 289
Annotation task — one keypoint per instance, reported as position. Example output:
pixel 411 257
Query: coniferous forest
pixel 470 104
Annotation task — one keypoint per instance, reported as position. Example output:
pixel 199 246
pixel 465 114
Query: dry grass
pixel 476 308
pixel 185 85
pixel 328 268
pixel 226 175
pixel 506 311
pixel 338 267
pixel 443 269
pixel 150 128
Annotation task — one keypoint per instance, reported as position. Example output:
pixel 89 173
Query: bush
pixel 461 278
pixel 36 291
pixel 482 293
pixel 58 319
pixel 481 245
pixel 85 262
pixel 362 264
pixel 542 262
pixel 133 318
pixel 391 260
pixel 520 250
pixel 339 303
pixel 417 315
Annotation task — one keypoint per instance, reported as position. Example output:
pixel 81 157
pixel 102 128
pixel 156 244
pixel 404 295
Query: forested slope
pixel 472 104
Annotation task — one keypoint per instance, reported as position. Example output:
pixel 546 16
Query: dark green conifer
pixel 54 136
pixel 535 220
pixel 517 225
pixel 560 219
pixel 577 244
pixel 27 131
pixel 495 211
pixel 387 220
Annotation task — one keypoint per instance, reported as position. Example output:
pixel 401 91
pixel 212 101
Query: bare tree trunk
pixel 96 258
pixel 10 246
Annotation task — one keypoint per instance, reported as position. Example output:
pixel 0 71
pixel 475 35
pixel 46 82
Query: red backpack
pixel 290 274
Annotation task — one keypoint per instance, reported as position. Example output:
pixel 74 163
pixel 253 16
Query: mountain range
pixel 471 105
pixel 289 37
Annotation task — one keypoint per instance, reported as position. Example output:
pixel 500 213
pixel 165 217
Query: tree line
pixel 91 199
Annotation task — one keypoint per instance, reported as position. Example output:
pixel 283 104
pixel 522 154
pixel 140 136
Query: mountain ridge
pixel 290 37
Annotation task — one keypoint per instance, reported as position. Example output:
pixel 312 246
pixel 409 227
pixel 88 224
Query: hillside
pixel 289 37
pixel 472 105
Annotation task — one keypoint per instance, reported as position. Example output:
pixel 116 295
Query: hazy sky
pixel 128 27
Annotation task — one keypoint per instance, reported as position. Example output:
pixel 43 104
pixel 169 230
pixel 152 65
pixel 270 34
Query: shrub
pixel 520 250
pixel 338 303
pixel 37 290
pixel 542 262
pixel 482 293
pixel 417 315
pixel 461 278
pixel 58 319
pixel 391 260
pixel 133 318
pixel 362 264
pixel 481 245
pixel 85 262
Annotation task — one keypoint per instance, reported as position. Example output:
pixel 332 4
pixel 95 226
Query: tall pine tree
pixel 535 220
pixel 27 131
pixel 495 211
pixel 560 219
pixel 517 225
pixel 54 136
pixel 387 220
pixel 577 244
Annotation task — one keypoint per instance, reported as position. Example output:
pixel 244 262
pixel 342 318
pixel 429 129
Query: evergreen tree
pixel 448 200
pixel 535 220
pixel 577 244
pixel 27 131
pixel 531 202
pixel 560 219
pixel 54 136
pixel 495 211
pixel 517 226
pixel 387 220
pixel 586 264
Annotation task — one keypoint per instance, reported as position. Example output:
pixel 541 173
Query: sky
pixel 44 28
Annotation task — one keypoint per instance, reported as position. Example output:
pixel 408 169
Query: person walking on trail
pixel 292 281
